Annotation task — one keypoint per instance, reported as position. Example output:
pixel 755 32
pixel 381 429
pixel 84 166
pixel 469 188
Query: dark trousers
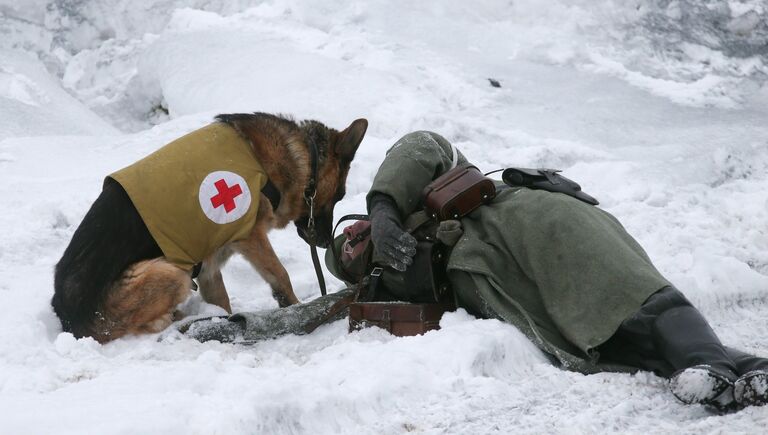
pixel 669 334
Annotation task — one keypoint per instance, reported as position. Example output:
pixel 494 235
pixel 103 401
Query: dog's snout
pixel 323 229
pixel 321 240
pixel 324 244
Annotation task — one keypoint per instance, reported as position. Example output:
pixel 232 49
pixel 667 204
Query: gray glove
pixel 393 245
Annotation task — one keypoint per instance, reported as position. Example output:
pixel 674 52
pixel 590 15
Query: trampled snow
pixel 658 108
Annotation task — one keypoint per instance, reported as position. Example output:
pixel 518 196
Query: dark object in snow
pixel 251 327
pixel 494 83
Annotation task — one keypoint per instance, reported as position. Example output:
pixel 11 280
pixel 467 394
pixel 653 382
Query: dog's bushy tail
pixel 110 238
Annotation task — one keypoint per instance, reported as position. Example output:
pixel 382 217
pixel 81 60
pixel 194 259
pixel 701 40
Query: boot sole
pixel 751 389
pixel 702 385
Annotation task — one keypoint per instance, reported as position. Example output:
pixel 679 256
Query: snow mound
pixel 32 103
pixel 655 107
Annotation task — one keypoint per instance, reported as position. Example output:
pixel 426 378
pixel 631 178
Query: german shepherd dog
pixel 113 279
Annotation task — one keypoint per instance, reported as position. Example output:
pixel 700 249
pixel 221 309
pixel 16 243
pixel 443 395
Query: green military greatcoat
pixel 564 272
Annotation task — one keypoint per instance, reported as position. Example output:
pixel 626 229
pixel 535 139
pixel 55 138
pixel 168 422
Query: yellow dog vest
pixel 197 193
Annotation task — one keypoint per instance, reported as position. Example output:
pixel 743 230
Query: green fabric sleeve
pixel 412 163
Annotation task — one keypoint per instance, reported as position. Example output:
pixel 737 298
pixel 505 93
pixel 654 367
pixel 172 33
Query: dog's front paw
pixel 284 300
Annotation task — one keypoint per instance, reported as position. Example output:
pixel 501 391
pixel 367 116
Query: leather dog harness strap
pixel 273 195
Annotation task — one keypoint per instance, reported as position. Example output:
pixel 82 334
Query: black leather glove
pixel 395 246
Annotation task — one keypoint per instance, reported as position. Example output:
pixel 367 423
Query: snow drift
pixel 657 108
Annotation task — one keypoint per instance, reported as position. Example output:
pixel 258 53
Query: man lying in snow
pixel 562 271
pixel 567 275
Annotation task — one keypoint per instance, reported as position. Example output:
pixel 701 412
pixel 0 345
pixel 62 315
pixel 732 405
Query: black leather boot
pixel 705 371
pixel 670 337
pixel 751 388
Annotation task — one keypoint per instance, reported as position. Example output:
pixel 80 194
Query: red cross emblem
pixel 226 195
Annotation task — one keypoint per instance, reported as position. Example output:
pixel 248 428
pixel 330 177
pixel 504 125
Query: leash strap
pixel 311 189
pixel 309 197
pixel 318 269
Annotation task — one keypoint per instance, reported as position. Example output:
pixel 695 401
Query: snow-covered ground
pixel 658 108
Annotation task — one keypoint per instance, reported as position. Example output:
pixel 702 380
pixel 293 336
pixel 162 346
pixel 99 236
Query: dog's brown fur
pixel 142 301
pixel 144 298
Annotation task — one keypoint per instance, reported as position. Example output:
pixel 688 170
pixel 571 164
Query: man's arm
pixel 412 163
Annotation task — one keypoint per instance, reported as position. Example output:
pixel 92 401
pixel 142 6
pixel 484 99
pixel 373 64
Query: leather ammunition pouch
pixel 457 192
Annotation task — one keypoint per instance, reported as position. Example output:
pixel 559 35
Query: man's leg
pixel 705 372
pixel 669 336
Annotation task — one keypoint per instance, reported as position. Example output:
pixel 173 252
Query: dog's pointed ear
pixel 350 138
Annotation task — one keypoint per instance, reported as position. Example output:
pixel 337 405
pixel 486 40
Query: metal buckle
pixel 311 203
pixel 376 272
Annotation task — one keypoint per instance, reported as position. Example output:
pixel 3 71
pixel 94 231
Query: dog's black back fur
pixel 111 237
